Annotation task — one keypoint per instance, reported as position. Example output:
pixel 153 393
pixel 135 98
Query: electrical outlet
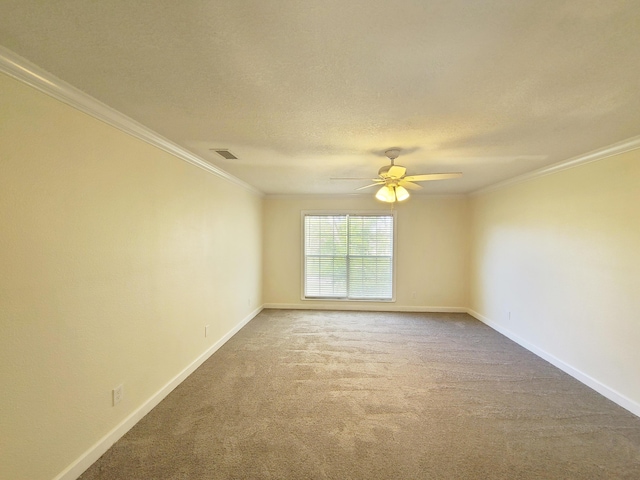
pixel 118 394
pixel 248 302
pixel 206 330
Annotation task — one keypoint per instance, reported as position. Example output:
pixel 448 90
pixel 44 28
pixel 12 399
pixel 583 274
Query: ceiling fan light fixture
pixel 392 193
pixel 392 180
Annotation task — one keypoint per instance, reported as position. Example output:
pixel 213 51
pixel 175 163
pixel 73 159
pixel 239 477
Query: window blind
pixel 348 257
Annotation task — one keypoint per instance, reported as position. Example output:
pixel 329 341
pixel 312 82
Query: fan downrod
pixel 391 154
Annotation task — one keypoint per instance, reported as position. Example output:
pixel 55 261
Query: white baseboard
pixel 89 457
pixel 75 469
pixel 611 394
pixel 361 306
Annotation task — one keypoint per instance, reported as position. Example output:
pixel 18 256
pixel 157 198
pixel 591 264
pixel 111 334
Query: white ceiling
pixel 302 91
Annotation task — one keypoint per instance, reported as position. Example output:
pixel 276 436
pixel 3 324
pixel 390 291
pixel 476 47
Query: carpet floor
pixel 361 395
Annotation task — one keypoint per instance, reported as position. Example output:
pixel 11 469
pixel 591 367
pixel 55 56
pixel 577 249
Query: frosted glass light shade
pixel 401 193
pixel 391 194
pixel 386 194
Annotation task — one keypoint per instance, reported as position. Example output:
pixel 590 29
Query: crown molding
pixel 624 146
pixel 24 71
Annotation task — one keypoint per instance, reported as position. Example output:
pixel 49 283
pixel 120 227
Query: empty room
pixel 319 240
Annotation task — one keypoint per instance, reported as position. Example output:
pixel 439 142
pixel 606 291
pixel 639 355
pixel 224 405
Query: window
pixel 348 257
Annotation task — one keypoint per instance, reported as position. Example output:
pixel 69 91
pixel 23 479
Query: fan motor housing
pixel 384 171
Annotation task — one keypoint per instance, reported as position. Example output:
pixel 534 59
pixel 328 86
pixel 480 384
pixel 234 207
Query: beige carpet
pixel 340 395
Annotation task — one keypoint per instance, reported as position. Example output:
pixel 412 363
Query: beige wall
pixel 562 254
pixel 432 250
pixel 114 255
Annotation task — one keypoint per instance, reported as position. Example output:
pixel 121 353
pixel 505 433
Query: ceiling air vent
pixel 225 154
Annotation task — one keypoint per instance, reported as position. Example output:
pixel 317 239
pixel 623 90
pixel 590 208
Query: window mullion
pixel 348 258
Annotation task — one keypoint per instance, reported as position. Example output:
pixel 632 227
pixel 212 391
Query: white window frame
pixel 371 213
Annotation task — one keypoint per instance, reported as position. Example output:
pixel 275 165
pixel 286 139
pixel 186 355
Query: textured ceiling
pixel 302 91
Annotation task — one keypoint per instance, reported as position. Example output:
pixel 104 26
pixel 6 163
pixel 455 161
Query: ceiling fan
pixel 394 182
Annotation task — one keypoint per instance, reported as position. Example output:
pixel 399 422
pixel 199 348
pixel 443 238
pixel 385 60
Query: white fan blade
pixel 409 185
pixel 432 176
pixel 396 171
pixel 372 185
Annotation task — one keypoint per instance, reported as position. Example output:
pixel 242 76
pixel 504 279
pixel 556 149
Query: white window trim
pixel 303 265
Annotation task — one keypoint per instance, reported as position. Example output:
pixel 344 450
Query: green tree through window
pixel 348 257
